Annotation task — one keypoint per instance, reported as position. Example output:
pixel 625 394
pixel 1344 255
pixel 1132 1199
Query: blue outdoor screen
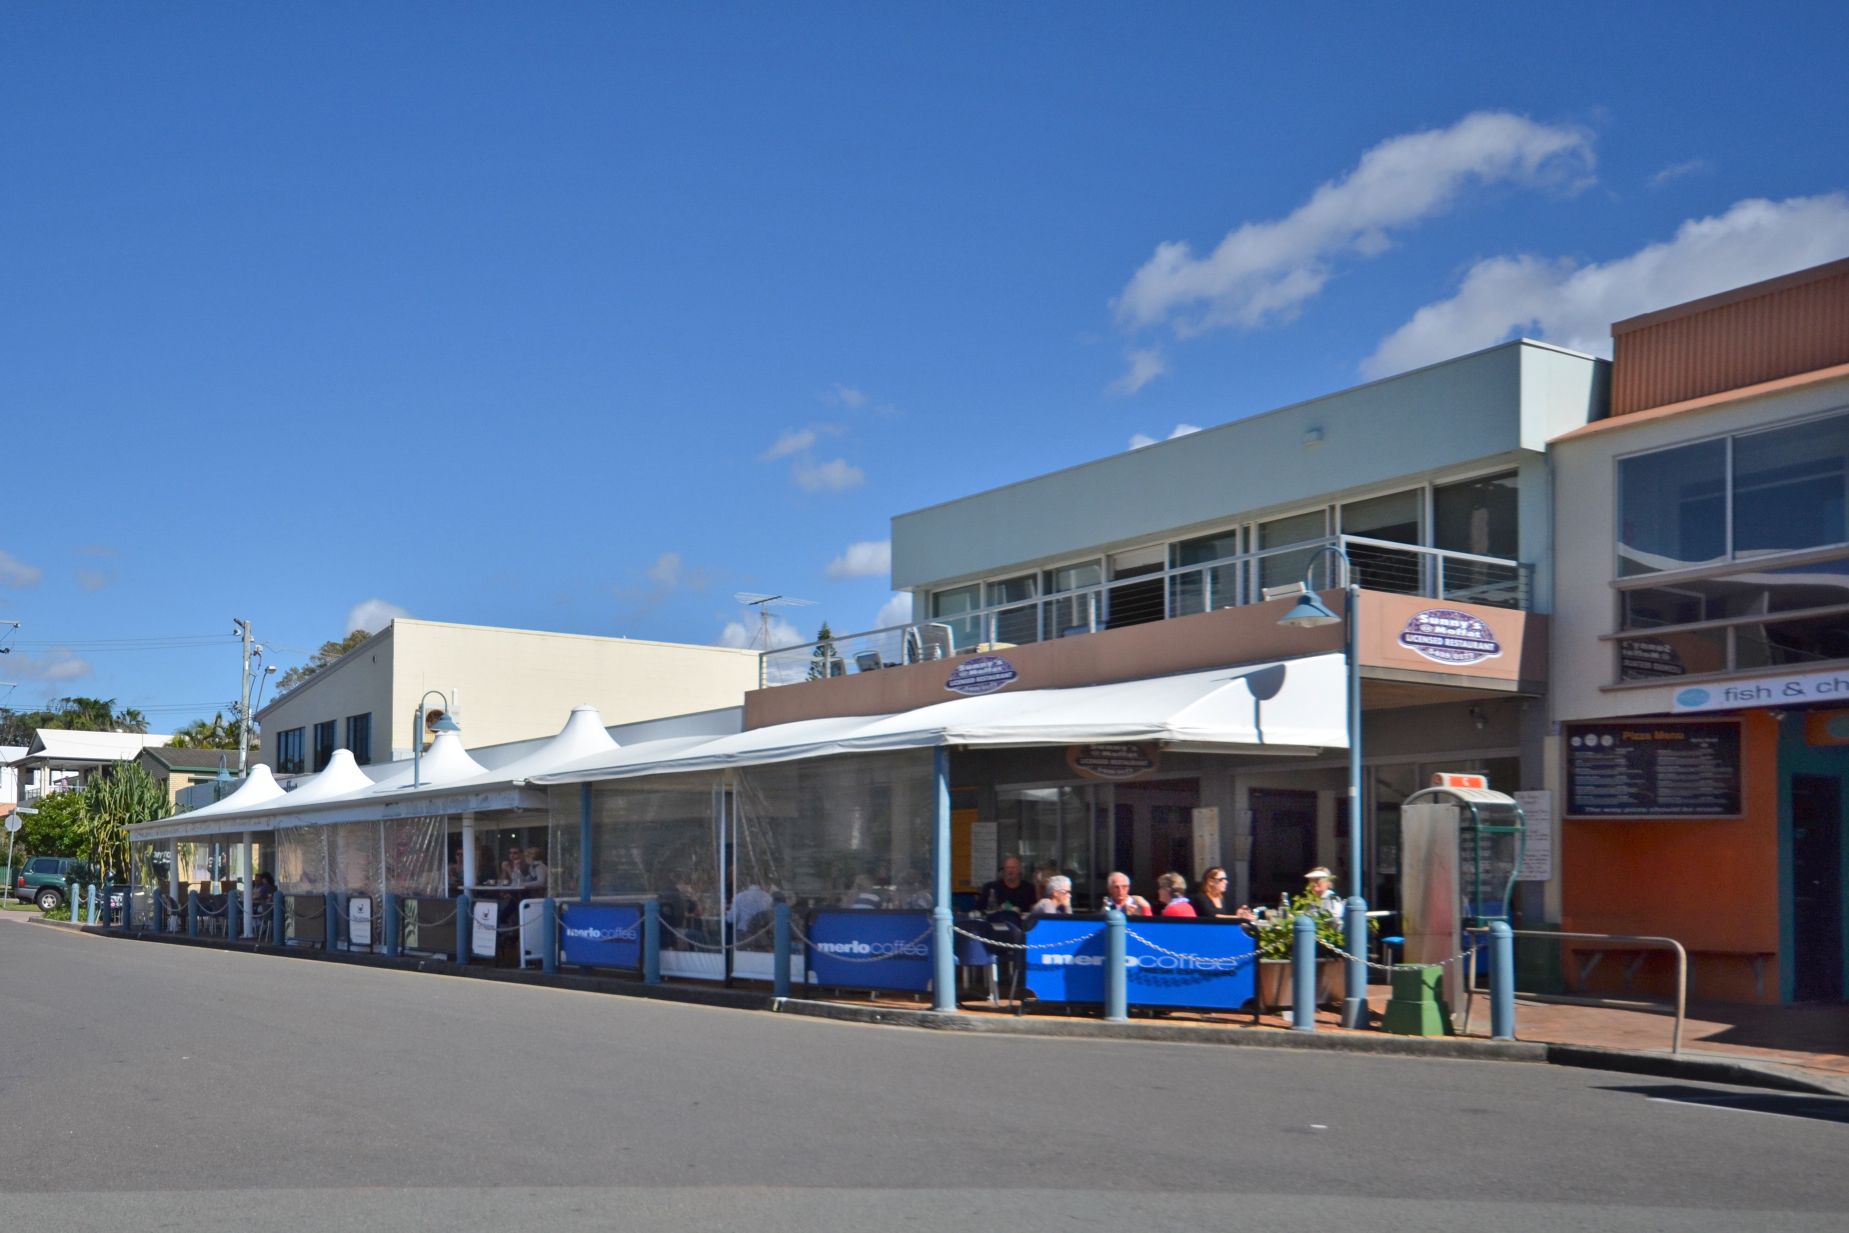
pixel 854 949
pixel 1219 971
pixel 601 935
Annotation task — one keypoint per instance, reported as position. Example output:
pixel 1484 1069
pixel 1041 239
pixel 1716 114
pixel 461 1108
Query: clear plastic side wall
pixel 302 859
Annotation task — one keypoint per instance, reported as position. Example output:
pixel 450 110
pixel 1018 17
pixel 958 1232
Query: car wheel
pixel 50 900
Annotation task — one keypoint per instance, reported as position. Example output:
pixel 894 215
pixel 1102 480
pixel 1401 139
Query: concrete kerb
pixel 1732 1072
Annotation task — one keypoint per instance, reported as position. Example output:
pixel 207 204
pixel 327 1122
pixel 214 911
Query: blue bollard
pixel 128 909
pixel 1502 980
pixel 1116 975
pixel 331 912
pixel 279 908
pixel 92 890
pixel 1303 974
pixel 548 935
pixel 394 928
pixel 1354 1003
pixel 651 942
pixel 232 908
pixel 192 913
pixel 780 946
pixel 465 925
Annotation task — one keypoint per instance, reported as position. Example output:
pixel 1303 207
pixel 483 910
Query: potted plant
pixel 1277 936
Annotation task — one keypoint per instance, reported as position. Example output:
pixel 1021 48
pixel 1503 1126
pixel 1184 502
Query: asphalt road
pixel 156 1087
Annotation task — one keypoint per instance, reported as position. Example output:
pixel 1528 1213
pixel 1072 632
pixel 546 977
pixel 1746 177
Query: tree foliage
pixel 329 652
pixel 825 654
pixel 214 733
pixel 77 714
pixel 57 829
pixel 115 798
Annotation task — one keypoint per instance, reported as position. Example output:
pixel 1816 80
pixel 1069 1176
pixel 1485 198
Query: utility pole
pixel 243 628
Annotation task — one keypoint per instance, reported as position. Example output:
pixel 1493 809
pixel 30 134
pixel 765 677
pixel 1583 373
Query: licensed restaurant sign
pixel 981 674
pixel 1113 763
pixel 1447 636
pixel 853 948
pixel 601 935
pixel 1654 768
pixel 1191 965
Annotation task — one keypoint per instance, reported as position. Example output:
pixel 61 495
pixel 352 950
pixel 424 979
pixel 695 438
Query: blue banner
pixel 601 935
pixel 862 949
pixel 1208 967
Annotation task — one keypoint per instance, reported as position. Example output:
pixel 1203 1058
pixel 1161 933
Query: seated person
pixel 1008 893
pixel 536 871
pixel 1058 901
pixel 1321 883
pixel 1172 894
pixel 1210 902
pixel 1117 895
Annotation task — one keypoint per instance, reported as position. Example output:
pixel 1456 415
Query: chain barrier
pixel 1238 961
pixel 1022 946
pixel 693 942
pixel 1390 968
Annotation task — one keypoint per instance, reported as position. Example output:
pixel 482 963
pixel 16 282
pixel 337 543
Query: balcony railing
pixel 1158 595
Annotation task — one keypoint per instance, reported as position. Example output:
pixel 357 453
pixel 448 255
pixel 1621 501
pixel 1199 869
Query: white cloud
pixel 666 571
pixel 791 441
pixel 94 579
pixel 1574 305
pixel 16 573
pixel 850 397
pixel 1266 270
pixel 1675 171
pixel 749 635
pixel 895 611
pixel 868 558
pixel 373 615
pixel 836 475
pixel 1146 364
pixel 1139 440
pixel 58 666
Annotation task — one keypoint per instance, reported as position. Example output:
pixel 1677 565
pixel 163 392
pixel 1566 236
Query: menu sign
pixel 1653 769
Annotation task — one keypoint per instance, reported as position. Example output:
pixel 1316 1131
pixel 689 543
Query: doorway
pixel 1154 831
pixel 1283 841
pixel 1817 887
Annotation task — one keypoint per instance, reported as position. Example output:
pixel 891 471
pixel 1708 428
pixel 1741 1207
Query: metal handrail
pixel 1093 601
pixel 1675 1040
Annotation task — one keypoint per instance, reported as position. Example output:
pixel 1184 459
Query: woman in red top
pixel 1172 893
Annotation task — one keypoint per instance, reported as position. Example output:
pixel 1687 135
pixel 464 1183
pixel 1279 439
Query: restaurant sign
pixel 1447 636
pixel 601 935
pixel 1766 691
pixel 1182 964
pixel 1113 763
pixel 853 948
pixel 982 674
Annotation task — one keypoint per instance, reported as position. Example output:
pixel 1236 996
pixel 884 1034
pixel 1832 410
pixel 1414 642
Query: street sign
pixel 13 822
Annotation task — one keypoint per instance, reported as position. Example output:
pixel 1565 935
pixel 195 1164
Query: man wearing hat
pixel 1322 885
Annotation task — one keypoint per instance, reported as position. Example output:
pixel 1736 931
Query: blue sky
pixel 585 317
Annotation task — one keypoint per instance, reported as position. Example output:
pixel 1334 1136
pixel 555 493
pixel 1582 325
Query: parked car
pixel 42 879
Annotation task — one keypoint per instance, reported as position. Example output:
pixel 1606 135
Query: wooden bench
pixel 1592 955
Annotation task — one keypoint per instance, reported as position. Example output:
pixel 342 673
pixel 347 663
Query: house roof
pixel 176 758
pixel 68 745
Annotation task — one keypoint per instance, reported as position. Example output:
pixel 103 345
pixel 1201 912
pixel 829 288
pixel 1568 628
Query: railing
pixel 1228 582
pixel 1675 1036
pixel 38 792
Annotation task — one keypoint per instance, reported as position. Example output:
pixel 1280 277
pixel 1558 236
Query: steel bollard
pixel 192 913
pixel 1303 974
pixel 1116 975
pixel 232 908
pixel 651 942
pixel 780 944
pixel 128 909
pixel 465 925
pixel 279 919
pixel 548 936
pixel 1502 981
pixel 394 927
pixel 92 915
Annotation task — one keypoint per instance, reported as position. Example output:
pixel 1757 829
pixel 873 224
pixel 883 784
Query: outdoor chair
pixel 867 661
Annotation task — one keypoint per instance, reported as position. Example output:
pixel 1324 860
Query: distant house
pixel 62 760
pixel 177 769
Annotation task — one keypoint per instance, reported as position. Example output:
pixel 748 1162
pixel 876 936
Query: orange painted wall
pixel 1708 884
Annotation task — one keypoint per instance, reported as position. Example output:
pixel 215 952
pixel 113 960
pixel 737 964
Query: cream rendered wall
pixel 512 684
pixel 1585 542
pixel 358 683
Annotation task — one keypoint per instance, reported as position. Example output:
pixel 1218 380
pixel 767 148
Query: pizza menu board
pixel 1653 769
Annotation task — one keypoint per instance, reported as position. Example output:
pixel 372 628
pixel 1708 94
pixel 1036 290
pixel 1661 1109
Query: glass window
pixel 1810 640
pixel 359 737
pixel 1276 569
pixel 656 835
pixel 289 752
pixel 1018 617
pixel 1672 508
pixel 1791 588
pixel 1789 487
pixel 1205 589
pixel 1394 518
pixel 1479 516
pixel 325 744
pixel 1076 614
pixel 948 608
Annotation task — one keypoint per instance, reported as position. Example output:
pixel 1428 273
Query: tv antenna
pixel 764 603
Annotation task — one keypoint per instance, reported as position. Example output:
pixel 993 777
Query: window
pixel 289 752
pixel 1206 589
pixel 950 608
pixel 1672 509
pixel 1789 486
pixel 1076 614
pixel 1478 516
pixel 1395 519
pixel 325 743
pixel 1276 569
pixel 359 737
pixel 1017 618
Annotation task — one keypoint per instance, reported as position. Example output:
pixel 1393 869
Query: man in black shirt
pixel 1008 891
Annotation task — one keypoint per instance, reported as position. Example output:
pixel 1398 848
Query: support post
pixel 394 927
pixel 128 908
pixel 332 917
pixel 92 912
pixel 1116 978
pixel 232 917
pixel 279 918
pixel 1354 1002
pixel 1303 974
pixel 192 913
pixel 250 880
pixel 465 925
pixel 1502 981
pixel 780 942
pixel 943 940
pixel 651 942
pixel 548 935
pixel 584 843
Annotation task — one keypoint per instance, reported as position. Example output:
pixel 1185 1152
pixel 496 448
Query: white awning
pixel 1294 707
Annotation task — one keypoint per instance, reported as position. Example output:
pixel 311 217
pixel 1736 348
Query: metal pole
pixel 192 913
pixel 250 878
pixel 244 707
pixel 394 928
pixel 331 914
pixel 943 954
pixel 584 843
pixel 465 925
pixel 780 964
pixel 417 745
pixel 548 936
pixel 1502 981
pixel 1116 991
pixel 1303 974
pixel 1354 1004
pixel 651 942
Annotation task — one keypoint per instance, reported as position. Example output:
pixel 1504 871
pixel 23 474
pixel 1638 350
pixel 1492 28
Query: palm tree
pixel 131 720
pixel 213 733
